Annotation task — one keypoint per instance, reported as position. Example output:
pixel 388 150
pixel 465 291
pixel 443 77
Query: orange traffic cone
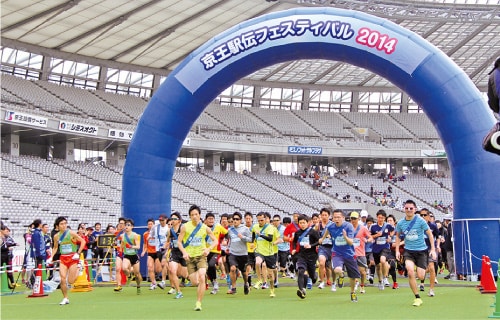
pixel 488 284
pixel 484 268
pixel 82 283
pixel 38 286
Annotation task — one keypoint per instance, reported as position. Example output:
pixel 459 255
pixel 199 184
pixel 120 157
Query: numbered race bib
pixel 129 251
pixel 381 240
pixel 304 241
pixel 340 241
pixel 356 242
pixel 151 241
pixel 196 242
pixel 327 241
pixel 66 248
pixel 162 239
pixel 412 236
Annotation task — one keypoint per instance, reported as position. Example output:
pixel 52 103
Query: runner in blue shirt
pixel 413 228
pixel 382 233
pixel 342 234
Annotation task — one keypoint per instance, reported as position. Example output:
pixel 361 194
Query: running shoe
pixel 64 301
pixel 354 297
pixel 258 285
pixel 321 285
pixel 152 286
pixel 197 306
pixel 276 283
pixel 386 282
pixel 431 293
pixel 265 286
pixel 171 291
pixel 246 289
pixel 179 295
pixel 301 293
pixel 334 287
pixel 340 281
pixel 328 283
pixel 417 302
pixel 381 286
pixel 362 290
pixel 272 294
pixel 216 286
pixel 161 285
pixel 422 288
pixel 370 279
pixel 118 289
pixel 395 285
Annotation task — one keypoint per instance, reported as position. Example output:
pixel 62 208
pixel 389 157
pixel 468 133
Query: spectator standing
pixel 38 243
pixel 8 244
pixel 448 246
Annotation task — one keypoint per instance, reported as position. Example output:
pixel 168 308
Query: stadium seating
pixel 225 123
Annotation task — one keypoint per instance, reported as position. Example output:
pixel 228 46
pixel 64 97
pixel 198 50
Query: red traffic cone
pixel 123 277
pixel 38 286
pixel 488 284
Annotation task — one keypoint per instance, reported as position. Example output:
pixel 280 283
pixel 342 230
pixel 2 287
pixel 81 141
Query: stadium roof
pixel 156 35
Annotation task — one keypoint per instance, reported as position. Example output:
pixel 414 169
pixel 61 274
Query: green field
pixel 453 300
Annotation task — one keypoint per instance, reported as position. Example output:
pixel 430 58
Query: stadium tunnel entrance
pixel 427 75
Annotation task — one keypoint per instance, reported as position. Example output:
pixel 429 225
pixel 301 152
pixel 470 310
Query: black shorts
pixel 269 260
pixel 239 261
pixel 176 256
pixel 418 257
pixel 309 265
pixel 385 252
pixel 251 259
pixel 134 259
pixel 283 258
pixel 154 255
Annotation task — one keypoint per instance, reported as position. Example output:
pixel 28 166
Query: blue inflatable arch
pixel 449 98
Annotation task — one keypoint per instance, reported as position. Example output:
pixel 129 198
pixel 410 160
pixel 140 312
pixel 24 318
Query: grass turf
pixel 453 300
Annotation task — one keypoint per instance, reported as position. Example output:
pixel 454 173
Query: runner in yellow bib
pixel 194 250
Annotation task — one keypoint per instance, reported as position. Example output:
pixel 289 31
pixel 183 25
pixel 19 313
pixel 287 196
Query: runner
pixel 177 264
pixel 65 241
pixel 194 250
pixel 416 253
pixel 153 262
pixel 239 235
pixel 342 234
pixel 131 243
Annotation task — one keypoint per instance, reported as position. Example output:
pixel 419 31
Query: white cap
pixel 448 216
pixel 364 213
